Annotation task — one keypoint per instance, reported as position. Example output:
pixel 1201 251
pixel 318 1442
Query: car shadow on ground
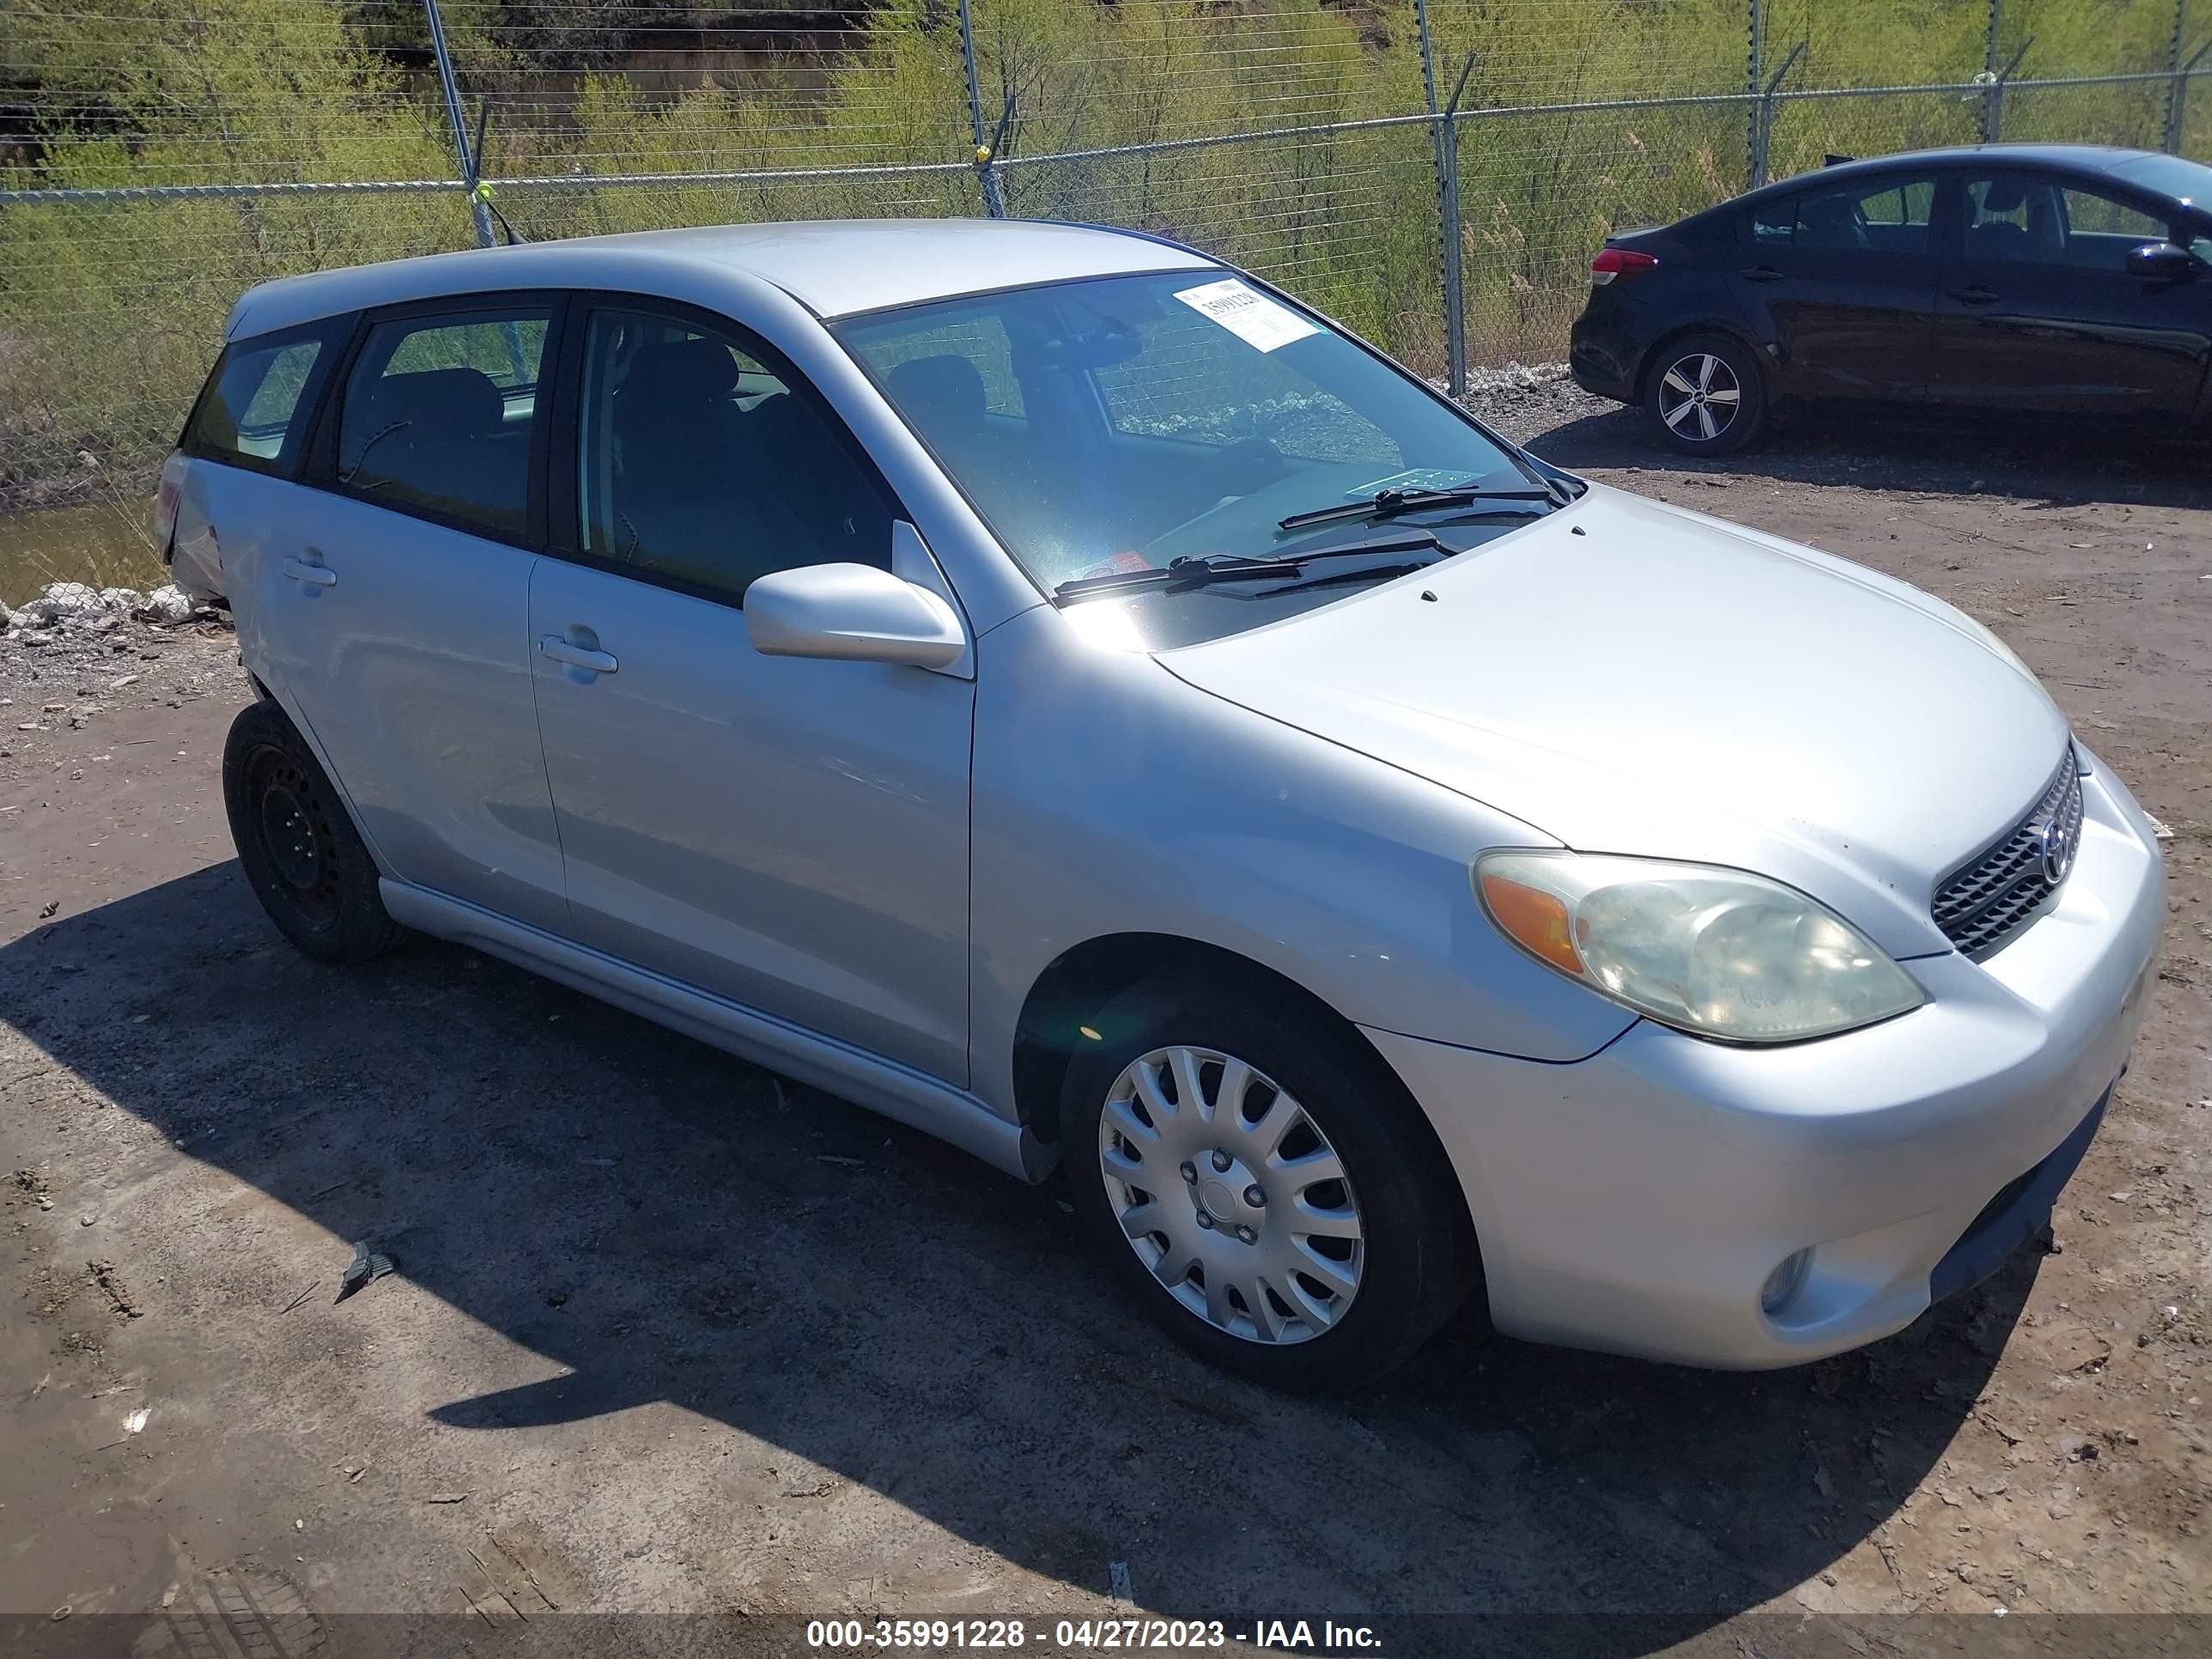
pixel 663 1223
pixel 2058 466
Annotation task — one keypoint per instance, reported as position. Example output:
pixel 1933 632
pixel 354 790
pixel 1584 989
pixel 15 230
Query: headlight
pixel 1715 952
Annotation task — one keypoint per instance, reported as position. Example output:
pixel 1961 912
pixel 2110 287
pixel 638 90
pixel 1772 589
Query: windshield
pixel 2170 175
pixel 1119 424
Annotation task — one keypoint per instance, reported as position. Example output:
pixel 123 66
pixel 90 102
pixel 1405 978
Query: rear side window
pixel 1890 216
pixel 438 415
pixel 254 410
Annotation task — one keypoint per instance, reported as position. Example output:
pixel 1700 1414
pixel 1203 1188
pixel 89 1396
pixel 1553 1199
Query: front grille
pixel 1993 896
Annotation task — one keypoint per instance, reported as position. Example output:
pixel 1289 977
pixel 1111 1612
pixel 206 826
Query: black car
pixel 2037 279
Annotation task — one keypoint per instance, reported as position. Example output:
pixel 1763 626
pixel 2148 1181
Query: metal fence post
pixel 993 204
pixel 2176 104
pixel 1992 116
pixel 469 159
pixel 1453 244
pixel 1762 114
pixel 1993 110
pixel 1754 138
pixel 2177 92
pixel 1447 163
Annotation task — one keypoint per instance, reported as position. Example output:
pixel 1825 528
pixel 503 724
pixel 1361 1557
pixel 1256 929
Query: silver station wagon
pixel 1061 692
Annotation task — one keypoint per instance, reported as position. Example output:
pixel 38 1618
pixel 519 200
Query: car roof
pixel 2065 158
pixel 834 267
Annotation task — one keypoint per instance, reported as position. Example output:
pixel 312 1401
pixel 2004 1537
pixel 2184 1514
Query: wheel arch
pixel 1655 355
pixel 1085 977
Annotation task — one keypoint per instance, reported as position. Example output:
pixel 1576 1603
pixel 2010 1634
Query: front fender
pixel 1112 798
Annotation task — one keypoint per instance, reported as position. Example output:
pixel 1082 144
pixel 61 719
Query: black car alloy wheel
pixel 1700 397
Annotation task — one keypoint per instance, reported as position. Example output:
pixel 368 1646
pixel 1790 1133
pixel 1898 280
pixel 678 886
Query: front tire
pixel 301 852
pixel 1261 1185
pixel 1704 395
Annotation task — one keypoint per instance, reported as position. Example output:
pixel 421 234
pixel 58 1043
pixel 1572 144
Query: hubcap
pixel 1698 396
pixel 1229 1194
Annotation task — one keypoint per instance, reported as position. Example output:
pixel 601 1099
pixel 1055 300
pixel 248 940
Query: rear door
pixel 2038 313
pixel 789 834
pixel 392 600
pixel 1847 276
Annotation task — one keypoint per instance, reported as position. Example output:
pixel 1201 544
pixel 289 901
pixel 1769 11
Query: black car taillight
pixel 1619 264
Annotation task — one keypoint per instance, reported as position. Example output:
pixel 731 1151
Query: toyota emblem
pixel 2056 845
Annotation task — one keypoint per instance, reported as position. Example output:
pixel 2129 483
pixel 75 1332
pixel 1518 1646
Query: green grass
pixel 110 313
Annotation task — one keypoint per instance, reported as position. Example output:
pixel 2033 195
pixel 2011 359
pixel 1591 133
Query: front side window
pixel 702 464
pixel 257 399
pixel 2025 219
pixel 438 415
pixel 1160 417
pixel 1890 216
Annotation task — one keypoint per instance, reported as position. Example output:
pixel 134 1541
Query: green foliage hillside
pixel 109 312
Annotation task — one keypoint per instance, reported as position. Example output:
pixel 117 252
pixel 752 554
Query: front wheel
pixel 1262 1187
pixel 1705 396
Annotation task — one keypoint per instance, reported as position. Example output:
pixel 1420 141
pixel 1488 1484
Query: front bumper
pixel 1635 1201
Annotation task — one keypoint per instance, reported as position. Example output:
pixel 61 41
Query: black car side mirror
pixel 2162 262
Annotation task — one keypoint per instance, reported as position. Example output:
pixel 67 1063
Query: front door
pixel 789 833
pixel 1846 272
pixel 393 596
pixel 2038 312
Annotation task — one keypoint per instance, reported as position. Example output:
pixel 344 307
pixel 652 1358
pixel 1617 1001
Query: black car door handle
pixel 1761 274
pixel 1974 295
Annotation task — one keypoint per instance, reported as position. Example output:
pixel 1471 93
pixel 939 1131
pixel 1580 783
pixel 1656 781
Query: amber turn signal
pixel 1537 921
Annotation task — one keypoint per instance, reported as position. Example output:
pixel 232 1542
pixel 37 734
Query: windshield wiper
pixel 1181 575
pixel 1395 503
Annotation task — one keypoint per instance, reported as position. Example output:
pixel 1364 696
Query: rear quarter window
pixel 254 410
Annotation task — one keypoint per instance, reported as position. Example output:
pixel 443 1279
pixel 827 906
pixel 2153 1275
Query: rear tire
pixel 301 852
pixel 1704 394
pixel 1326 1283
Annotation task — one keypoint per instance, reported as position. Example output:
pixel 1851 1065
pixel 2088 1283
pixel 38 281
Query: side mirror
pixel 2162 262
pixel 852 613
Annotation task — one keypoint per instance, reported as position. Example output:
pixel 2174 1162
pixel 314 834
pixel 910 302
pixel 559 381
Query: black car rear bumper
pixel 1603 350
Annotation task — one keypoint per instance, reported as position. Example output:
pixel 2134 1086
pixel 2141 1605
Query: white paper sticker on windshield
pixel 1251 316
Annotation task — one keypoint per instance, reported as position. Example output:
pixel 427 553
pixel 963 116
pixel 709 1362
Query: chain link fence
pixel 1434 173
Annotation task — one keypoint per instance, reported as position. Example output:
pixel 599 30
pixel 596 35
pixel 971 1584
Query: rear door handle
pixel 1760 274
pixel 576 656
pixel 1974 295
pixel 315 575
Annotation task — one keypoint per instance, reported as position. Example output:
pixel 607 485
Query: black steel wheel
pixel 299 851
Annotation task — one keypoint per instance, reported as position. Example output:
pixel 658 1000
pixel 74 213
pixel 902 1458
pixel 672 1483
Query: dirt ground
pixel 669 1335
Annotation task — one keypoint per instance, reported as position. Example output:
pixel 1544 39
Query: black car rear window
pixel 254 409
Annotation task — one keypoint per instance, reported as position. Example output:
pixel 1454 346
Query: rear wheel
pixel 298 848
pixel 1705 395
pixel 1262 1187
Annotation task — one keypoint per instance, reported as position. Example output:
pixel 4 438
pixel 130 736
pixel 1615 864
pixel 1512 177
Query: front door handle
pixel 561 650
pixel 1974 295
pixel 1761 274
pixel 315 575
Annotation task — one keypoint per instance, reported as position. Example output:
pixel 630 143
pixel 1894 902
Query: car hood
pixel 1627 676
